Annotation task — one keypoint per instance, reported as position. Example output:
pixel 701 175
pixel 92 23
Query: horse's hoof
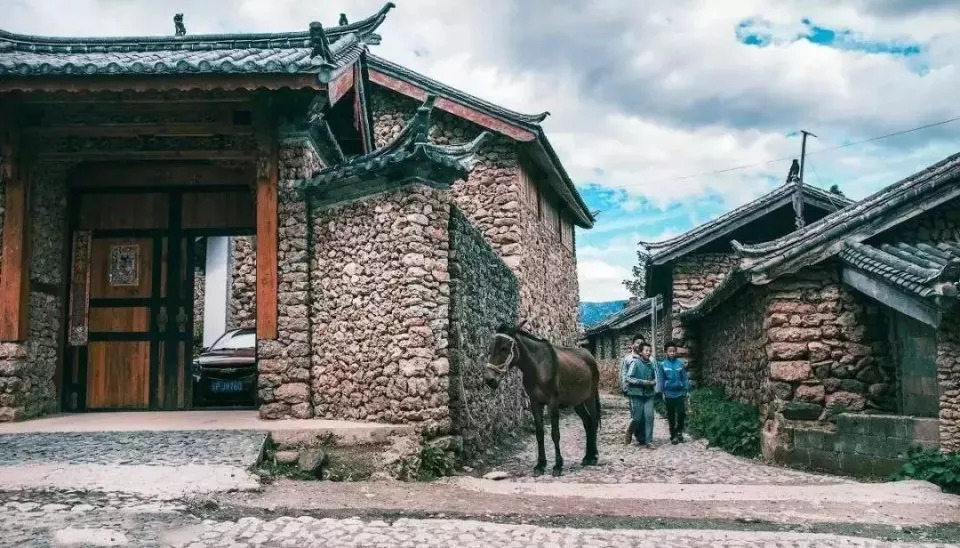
pixel 557 472
pixel 589 461
pixel 537 472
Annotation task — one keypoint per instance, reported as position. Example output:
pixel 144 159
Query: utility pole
pixel 798 193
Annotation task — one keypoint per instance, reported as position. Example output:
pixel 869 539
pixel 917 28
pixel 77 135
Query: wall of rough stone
pixel 827 347
pixel 380 309
pixel 484 294
pixel 27 369
pixel 731 346
pixel 242 310
pixel 694 276
pixel 948 377
pixel 940 224
pixel 493 199
pixel 284 363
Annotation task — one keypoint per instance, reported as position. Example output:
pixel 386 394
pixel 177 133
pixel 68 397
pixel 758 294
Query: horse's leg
pixel 589 457
pixel 555 435
pixel 537 410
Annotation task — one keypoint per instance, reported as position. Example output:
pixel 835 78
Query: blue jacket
pixel 674 381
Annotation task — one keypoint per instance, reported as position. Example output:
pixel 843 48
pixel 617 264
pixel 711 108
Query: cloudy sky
pixel 648 99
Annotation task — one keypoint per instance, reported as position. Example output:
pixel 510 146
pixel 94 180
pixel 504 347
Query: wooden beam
pixel 239 155
pixel 152 174
pixel 890 296
pixel 341 85
pixel 457 109
pixel 15 266
pixel 267 230
pixel 136 83
pixel 135 130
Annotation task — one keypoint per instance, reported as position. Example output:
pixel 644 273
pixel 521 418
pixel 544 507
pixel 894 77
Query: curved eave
pixel 59 44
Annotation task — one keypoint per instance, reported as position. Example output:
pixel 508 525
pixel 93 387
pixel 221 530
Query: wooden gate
pixel 130 323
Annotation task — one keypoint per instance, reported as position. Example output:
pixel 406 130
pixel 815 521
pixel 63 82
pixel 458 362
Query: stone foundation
pixel 284 364
pixel 948 377
pixel 484 295
pixel 380 309
pixel 861 445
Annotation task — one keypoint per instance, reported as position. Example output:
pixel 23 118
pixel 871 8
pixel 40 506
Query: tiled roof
pixel 403 159
pixel 626 317
pixel 884 209
pixel 666 250
pixel 318 50
pixel 922 269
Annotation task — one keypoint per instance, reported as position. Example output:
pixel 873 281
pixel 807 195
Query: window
pixel 549 214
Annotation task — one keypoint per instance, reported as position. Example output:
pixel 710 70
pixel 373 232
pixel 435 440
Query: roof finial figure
pixel 343 20
pixel 319 42
pixel 179 29
pixel 794 175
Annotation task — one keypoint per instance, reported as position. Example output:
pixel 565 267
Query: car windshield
pixel 236 341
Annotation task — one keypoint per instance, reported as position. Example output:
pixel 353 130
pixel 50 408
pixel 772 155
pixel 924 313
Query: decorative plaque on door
pixel 124 265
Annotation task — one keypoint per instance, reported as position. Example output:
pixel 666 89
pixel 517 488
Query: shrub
pixel 434 463
pixel 730 425
pixel 931 465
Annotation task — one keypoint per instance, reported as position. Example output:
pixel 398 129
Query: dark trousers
pixel 676 414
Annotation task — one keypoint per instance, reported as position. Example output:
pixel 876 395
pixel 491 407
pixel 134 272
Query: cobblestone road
pixel 403 533
pixel 690 462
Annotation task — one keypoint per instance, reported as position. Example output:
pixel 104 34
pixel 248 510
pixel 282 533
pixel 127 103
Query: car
pixel 226 372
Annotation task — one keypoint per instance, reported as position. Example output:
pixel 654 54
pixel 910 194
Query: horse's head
pixel 502 354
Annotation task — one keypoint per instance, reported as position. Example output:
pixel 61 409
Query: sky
pixel 648 100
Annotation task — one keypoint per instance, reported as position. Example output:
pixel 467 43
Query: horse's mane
pixel 516 330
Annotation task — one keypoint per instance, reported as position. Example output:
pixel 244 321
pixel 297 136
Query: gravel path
pixel 416 533
pixel 690 462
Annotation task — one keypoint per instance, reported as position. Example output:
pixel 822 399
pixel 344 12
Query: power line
pixel 821 151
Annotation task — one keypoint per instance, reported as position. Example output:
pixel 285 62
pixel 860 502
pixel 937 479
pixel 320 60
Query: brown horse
pixel 553 377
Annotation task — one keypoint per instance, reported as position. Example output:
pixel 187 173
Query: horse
pixel 553 377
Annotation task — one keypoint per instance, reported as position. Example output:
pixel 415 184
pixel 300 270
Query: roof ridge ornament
pixel 319 42
pixel 178 28
pixel 343 20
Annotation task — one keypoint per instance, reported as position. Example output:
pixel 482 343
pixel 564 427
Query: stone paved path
pixel 416 533
pixel 689 462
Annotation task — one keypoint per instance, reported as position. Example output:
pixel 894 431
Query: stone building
pixel 681 270
pixel 609 341
pixel 397 221
pixel 845 332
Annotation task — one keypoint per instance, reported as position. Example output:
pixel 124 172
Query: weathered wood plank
pixel 267 230
pixel 15 270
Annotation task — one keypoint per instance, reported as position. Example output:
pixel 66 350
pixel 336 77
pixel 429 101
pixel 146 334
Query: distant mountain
pixel 594 313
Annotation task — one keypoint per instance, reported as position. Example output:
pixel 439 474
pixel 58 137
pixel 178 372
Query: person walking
pixel 626 366
pixel 675 385
pixel 641 388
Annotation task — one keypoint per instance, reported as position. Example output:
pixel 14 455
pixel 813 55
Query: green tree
pixel 637 284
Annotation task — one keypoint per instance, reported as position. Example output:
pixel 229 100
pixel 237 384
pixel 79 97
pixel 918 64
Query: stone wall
pixel 493 199
pixel 694 276
pixel 284 364
pixel 827 347
pixel 858 444
pixel 242 311
pixel 731 348
pixel 27 369
pixel 380 309
pixel 948 377
pixel 484 294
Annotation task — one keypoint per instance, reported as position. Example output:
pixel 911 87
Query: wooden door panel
pixel 229 209
pixel 118 375
pixel 123 284
pixel 131 319
pixel 124 211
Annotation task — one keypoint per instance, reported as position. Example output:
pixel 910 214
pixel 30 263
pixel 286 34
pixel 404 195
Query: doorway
pixel 131 305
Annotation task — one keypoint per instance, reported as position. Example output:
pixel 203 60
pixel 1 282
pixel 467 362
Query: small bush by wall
pixel 730 425
pixel 931 465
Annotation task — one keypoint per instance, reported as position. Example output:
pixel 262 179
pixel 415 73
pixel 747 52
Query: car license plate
pixel 226 386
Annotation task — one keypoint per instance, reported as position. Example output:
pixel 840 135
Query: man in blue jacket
pixel 675 384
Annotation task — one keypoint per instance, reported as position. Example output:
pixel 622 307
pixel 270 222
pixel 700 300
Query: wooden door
pixel 915 350
pixel 140 302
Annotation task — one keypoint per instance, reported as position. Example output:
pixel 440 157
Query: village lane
pixel 689 462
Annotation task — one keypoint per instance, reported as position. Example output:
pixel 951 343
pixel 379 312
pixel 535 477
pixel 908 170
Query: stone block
pixel 926 432
pixel 848 400
pixel 790 371
pixel 786 351
pixel 810 393
pixel 802 411
pixel 850 385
